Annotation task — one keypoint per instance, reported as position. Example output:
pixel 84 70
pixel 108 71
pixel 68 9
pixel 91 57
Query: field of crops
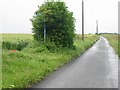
pixel 25 61
pixel 113 40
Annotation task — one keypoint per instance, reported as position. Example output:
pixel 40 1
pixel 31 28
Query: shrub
pixel 14 45
pixel 58 21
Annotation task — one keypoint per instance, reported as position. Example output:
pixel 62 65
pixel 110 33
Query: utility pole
pixel 96 26
pixel 83 20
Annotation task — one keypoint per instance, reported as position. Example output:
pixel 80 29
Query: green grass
pixel 16 37
pixel 34 62
pixel 15 41
pixel 113 40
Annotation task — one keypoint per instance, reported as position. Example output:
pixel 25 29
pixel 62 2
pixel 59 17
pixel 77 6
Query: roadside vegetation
pixel 21 68
pixel 15 41
pixel 27 60
pixel 113 40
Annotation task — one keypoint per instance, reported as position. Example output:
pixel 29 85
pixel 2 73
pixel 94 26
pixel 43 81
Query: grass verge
pixel 23 68
pixel 113 40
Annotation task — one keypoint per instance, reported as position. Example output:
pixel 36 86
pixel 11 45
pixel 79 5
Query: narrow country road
pixel 96 68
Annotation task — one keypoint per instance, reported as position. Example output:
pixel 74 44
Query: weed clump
pixel 19 45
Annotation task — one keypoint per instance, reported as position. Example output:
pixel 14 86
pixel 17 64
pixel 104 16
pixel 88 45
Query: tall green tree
pixel 59 23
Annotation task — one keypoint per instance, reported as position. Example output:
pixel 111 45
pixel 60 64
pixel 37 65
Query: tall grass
pixel 34 62
pixel 15 41
pixel 19 45
pixel 113 40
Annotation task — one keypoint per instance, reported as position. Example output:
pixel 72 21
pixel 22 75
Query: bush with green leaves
pixel 59 23
pixel 19 45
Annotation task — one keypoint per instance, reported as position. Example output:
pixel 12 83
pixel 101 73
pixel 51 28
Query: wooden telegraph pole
pixel 83 20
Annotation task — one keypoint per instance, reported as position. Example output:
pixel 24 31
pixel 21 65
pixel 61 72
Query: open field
pixel 21 68
pixel 16 37
pixel 113 40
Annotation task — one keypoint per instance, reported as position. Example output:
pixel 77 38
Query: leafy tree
pixel 59 24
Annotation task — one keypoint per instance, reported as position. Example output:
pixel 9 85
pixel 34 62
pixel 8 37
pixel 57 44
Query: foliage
pixel 59 24
pixel 15 41
pixel 14 45
pixel 23 68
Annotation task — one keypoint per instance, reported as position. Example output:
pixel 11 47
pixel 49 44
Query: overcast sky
pixel 15 15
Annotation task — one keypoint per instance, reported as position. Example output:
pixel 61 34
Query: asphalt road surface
pixel 96 68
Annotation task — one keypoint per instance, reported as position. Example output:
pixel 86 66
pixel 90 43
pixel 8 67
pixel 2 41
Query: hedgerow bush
pixel 59 23
pixel 19 45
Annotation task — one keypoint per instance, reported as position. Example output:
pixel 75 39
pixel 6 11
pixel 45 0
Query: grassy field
pixel 113 40
pixel 16 37
pixel 21 68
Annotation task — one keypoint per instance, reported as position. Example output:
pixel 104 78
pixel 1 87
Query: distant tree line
pixel 108 33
